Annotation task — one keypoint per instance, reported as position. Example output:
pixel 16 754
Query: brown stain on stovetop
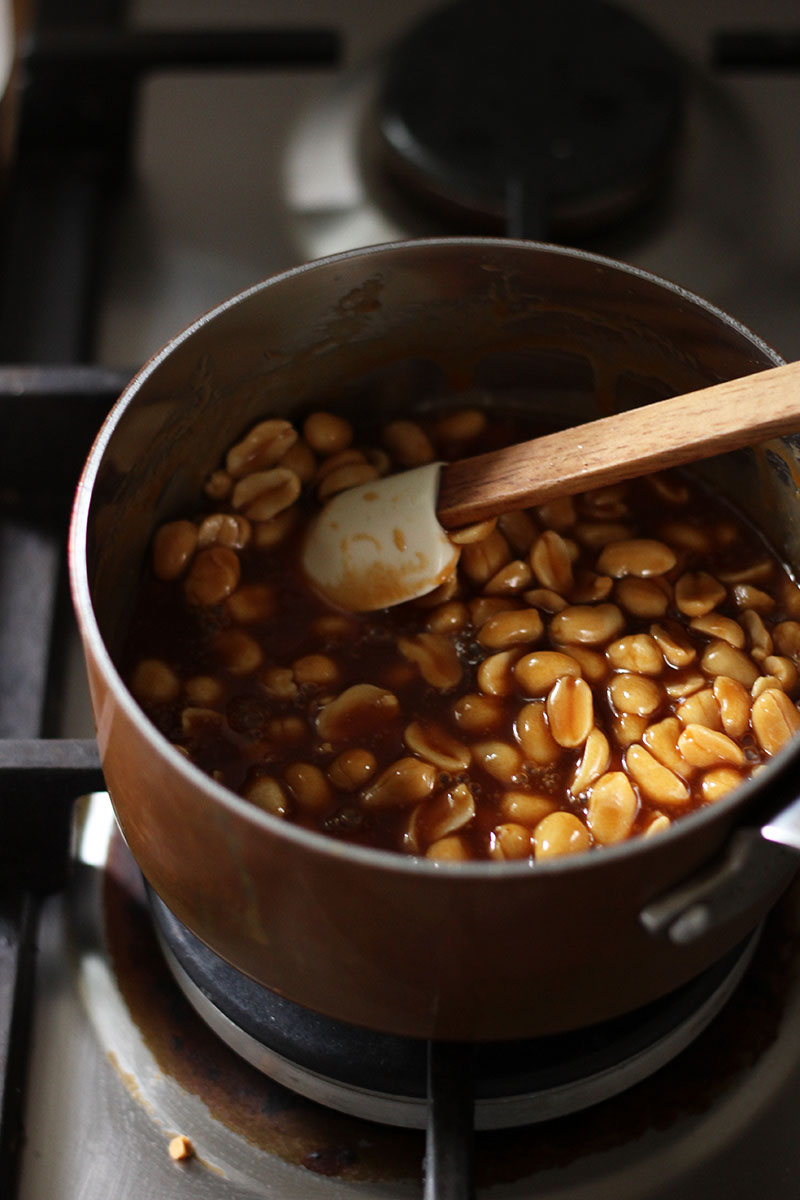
pixel 236 1094
pixel 307 1134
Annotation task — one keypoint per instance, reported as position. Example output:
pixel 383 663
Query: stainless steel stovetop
pixel 238 176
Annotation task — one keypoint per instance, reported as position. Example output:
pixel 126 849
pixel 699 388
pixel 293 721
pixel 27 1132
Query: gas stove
pixel 162 169
pixel 122 1063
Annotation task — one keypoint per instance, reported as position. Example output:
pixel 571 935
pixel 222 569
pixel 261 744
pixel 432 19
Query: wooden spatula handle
pixel 712 420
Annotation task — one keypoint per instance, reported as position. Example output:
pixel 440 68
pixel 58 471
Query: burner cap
pixel 550 117
pixel 382 1077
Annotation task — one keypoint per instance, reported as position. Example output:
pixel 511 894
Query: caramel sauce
pixel 239 747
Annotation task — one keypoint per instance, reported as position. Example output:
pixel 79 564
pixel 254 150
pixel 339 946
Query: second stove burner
pixel 550 118
pixel 382 1077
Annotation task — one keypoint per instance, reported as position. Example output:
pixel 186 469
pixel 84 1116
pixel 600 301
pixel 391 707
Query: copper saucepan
pixel 465 951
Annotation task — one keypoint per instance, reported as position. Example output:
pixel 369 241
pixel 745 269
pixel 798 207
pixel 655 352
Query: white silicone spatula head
pixel 381 543
pixel 385 542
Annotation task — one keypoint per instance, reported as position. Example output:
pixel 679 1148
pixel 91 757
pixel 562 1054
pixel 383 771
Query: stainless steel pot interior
pixel 566 334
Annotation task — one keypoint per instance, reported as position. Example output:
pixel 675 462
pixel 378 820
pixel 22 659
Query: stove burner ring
pixel 551 118
pixel 380 1077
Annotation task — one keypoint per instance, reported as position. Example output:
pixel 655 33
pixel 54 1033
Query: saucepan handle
pixel 757 863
